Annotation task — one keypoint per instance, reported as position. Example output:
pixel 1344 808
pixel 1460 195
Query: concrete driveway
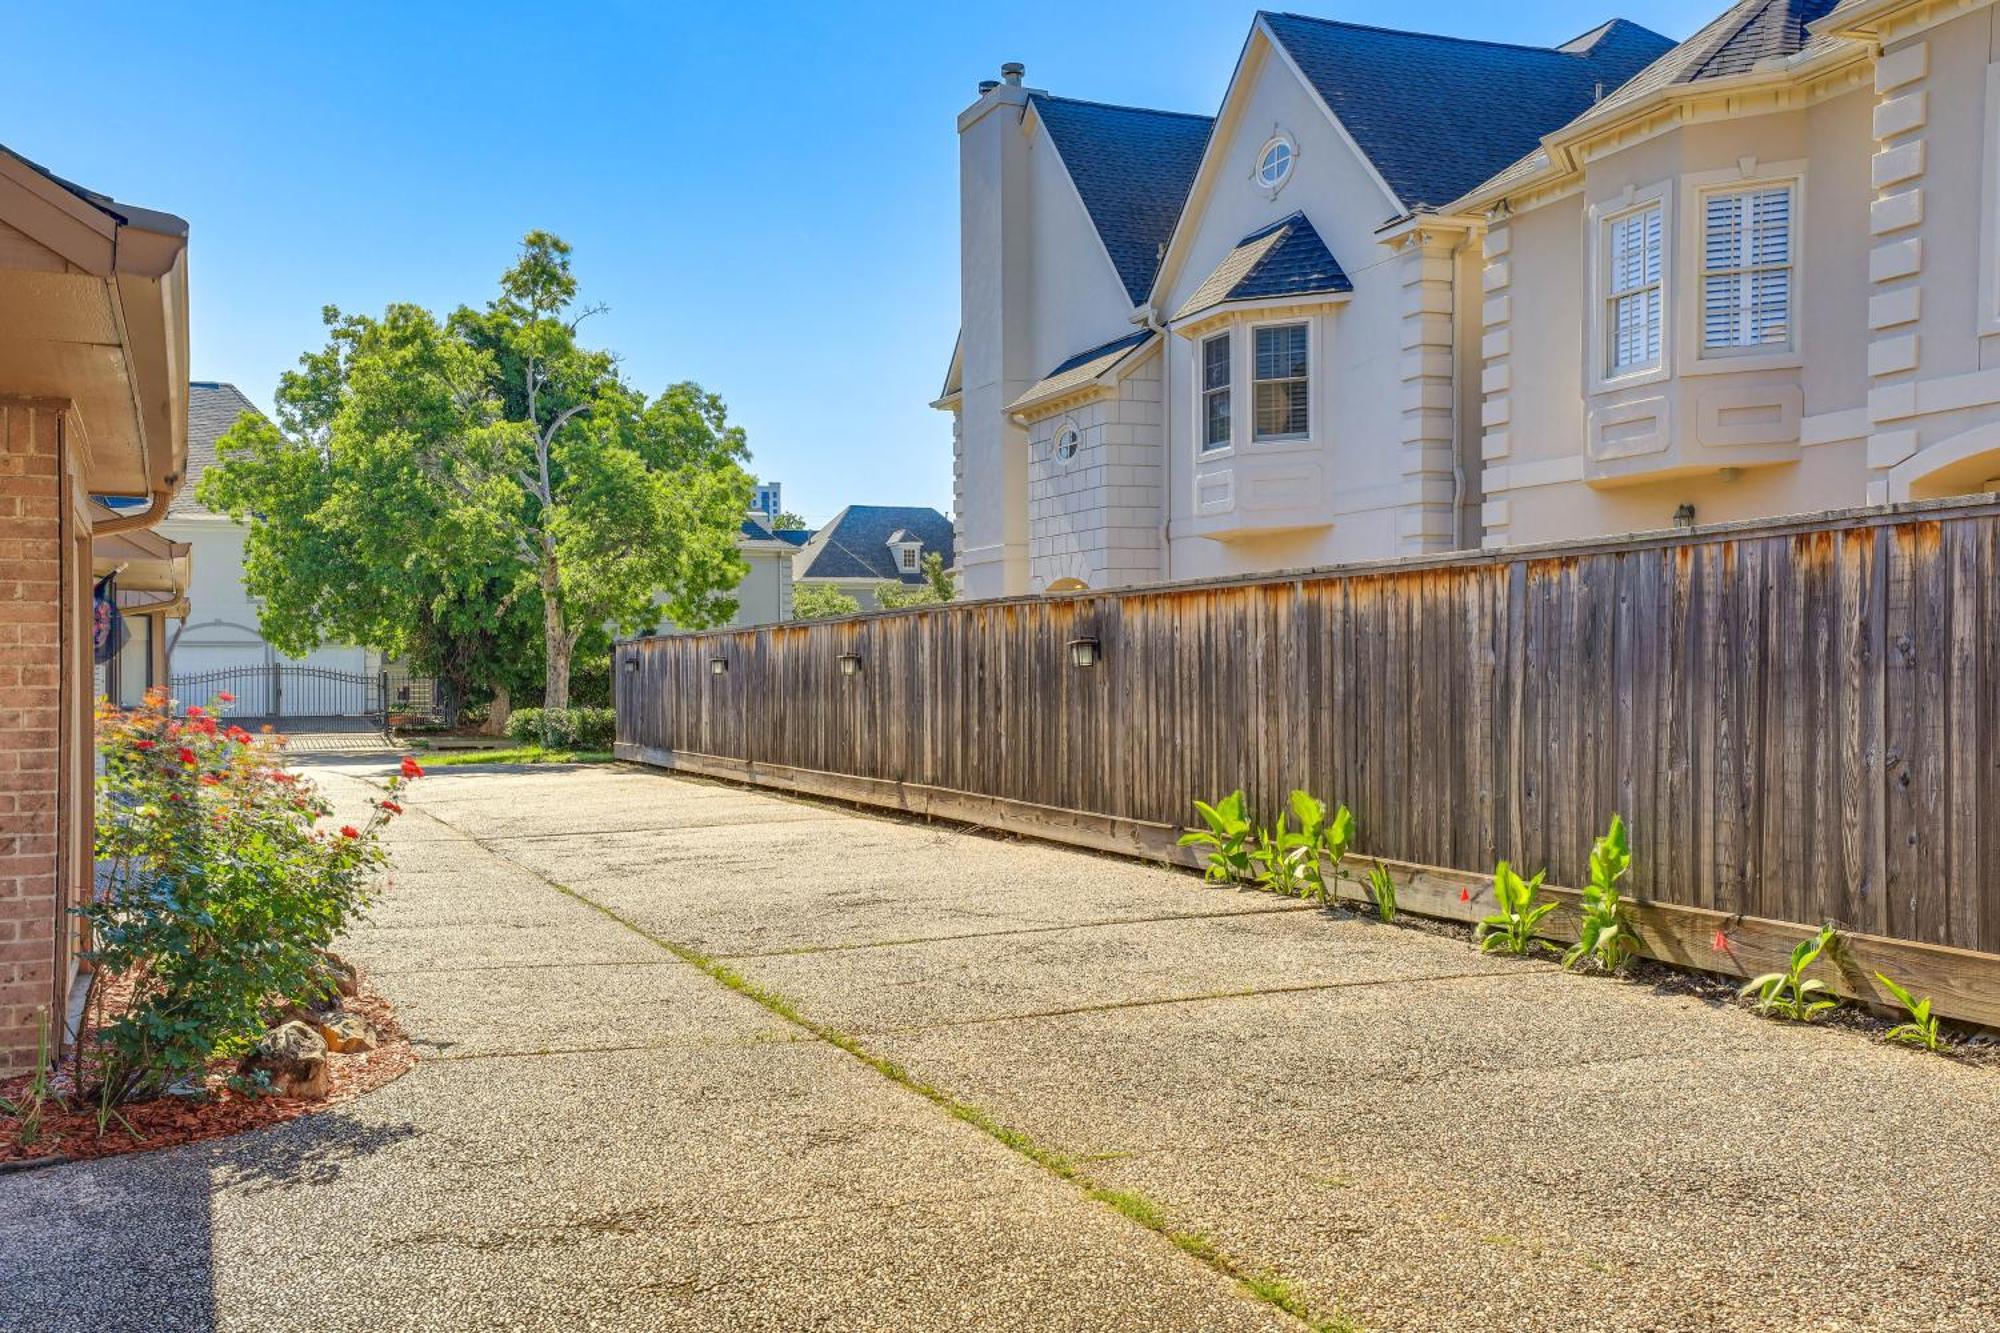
pixel 700 1058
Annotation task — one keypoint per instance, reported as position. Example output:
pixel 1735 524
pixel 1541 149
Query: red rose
pixel 411 768
pixel 349 831
pixel 226 697
pixel 144 745
pixel 187 755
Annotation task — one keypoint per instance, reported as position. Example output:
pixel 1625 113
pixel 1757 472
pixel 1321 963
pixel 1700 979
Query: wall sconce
pixel 1684 516
pixel 1084 652
pixel 631 664
pixel 718 666
pixel 850 664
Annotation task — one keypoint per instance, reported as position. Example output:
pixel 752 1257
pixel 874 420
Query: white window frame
pixel 1203 448
pixel 1601 216
pixel 1988 314
pixel 906 557
pixel 1689 341
pixel 1067 426
pixel 1312 379
pixel 1278 139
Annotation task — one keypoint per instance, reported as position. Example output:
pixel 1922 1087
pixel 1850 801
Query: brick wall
pixel 31 720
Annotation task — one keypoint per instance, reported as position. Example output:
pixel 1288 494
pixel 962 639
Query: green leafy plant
pixel 218 894
pixel 1335 838
pixel 1513 929
pixel 564 728
pixel 1225 837
pixel 1281 858
pixel 1382 892
pixel 1603 937
pixel 28 1109
pixel 1791 994
pixel 1294 861
pixel 1922 1029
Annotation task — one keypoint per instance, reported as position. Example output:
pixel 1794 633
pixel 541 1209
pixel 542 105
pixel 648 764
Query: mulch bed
pixel 166 1122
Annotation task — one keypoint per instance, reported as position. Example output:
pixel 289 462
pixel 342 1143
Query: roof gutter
pixel 144 518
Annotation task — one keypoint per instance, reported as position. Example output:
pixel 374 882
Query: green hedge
pixel 569 728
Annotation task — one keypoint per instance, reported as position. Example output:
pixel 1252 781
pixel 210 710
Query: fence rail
pixel 1797 718
pixel 277 691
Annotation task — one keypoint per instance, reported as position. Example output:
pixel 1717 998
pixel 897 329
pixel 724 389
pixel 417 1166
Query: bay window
pixel 1746 268
pixel 1633 291
pixel 1215 392
pixel 1281 380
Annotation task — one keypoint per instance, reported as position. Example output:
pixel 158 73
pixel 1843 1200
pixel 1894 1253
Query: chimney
pixel 1012 73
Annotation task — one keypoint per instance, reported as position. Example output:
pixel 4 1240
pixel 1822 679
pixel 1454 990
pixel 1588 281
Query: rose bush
pixel 217 892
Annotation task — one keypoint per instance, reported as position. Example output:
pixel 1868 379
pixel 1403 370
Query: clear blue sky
pixel 765 194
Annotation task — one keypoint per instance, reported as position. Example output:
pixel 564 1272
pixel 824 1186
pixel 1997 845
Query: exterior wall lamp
pixel 850 664
pixel 718 666
pixel 631 663
pixel 1084 652
pixel 1684 516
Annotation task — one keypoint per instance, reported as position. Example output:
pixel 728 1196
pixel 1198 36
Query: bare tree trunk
pixel 556 641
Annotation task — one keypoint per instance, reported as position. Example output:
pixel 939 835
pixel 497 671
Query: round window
pixel 1274 163
pixel 1067 440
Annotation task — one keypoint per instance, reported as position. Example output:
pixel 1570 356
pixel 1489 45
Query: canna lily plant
pixel 1513 929
pixel 1791 994
pixel 1224 836
pixel 1603 937
pixel 1922 1029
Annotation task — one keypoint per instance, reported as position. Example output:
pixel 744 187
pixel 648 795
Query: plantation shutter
pixel 1746 285
pixel 1635 290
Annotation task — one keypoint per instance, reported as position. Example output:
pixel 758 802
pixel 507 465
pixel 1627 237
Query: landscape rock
pixel 293 1057
pixel 339 980
pixel 346 1032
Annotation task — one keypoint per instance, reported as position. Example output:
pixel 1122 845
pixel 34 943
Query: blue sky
pixel 765 195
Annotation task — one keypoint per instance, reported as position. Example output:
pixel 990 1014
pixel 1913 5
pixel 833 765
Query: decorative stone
pixel 339 976
pixel 346 1032
pixel 293 1057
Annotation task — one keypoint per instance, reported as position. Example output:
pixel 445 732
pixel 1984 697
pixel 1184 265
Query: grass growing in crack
pixel 1264 1286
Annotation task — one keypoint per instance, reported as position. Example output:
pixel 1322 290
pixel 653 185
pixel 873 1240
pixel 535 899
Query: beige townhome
pixel 1411 293
pixel 1760 278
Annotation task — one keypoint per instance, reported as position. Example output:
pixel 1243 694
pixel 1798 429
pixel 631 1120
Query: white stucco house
pixel 1409 293
pixel 220 633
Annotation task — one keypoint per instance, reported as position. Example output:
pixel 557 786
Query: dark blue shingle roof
pixel 1285 258
pixel 856 544
pixel 1132 168
pixel 1439 115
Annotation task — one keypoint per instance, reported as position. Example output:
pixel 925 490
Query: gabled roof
pixel 1438 115
pixel 1736 41
pixel 1132 168
pixel 855 545
pixel 1285 258
pixel 213 408
pixel 1082 368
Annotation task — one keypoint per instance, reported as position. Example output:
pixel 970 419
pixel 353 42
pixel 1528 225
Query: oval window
pixel 1067 440
pixel 1274 163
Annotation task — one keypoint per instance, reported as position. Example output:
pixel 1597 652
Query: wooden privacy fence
pixel 1795 717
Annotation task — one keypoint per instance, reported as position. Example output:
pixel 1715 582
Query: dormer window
pixel 908 556
pixel 907 551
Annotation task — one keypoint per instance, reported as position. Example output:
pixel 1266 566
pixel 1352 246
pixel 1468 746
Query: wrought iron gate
pixel 276 691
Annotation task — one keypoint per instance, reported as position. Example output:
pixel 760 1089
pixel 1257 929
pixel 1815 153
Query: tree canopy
pixel 482 494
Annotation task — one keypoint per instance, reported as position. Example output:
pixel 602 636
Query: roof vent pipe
pixel 1012 73
pixel 987 85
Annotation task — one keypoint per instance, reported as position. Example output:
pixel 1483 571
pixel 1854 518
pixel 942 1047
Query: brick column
pixel 31 608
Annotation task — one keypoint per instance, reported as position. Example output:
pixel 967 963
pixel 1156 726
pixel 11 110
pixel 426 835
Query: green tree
pixel 788 522
pixel 483 493
pixel 936 588
pixel 811 602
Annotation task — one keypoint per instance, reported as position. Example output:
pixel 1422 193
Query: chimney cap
pixel 987 85
pixel 1012 73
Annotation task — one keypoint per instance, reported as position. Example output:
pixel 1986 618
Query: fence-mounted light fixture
pixel 631 664
pixel 1084 652
pixel 850 664
pixel 718 666
pixel 1684 516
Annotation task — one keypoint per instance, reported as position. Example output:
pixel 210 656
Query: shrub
pixel 811 602
pixel 217 892
pixel 1602 937
pixel 1514 928
pixel 566 728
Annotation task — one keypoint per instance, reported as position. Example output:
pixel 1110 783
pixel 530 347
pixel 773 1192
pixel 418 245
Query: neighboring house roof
pixel 793 536
pixel 1438 115
pixel 213 408
pixel 1284 258
pixel 1132 168
pixel 1736 41
pixel 855 545
pixel 1082 368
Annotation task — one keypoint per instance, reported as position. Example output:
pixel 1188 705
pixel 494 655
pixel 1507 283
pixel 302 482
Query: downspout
pixel 145 518
pixel 1152 322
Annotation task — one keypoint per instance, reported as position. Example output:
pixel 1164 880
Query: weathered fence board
pixel 1796 717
